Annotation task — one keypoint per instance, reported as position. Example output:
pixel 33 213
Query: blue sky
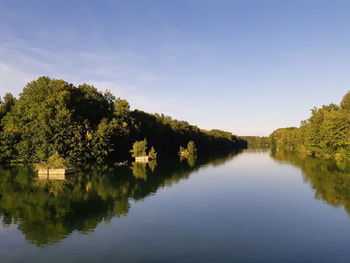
pixel 245 66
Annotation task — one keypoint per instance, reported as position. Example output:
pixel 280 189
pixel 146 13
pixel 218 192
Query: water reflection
pixel 329 179
pixel 46 211
pixel 139 169
pixel 191 159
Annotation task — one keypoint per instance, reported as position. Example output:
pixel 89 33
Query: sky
pixel 246 66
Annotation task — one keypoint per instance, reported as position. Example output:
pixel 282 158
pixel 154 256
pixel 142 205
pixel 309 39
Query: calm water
pixel 254 206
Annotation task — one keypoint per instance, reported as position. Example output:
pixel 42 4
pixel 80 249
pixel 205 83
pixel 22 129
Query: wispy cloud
pixel 77 66
pixel 22 63
pixel 12 79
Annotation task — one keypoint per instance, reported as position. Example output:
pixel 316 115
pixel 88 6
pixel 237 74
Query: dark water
pixel 253 206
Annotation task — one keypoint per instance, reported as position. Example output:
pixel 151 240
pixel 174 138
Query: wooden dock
pixel 55 174
pixel 142 159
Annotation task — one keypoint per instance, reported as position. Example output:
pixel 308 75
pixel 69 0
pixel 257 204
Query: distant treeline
pixel 326 133
pixel 83 124
pixel 257 141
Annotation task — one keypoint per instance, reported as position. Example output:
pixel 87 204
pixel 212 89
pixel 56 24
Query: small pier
pixel 55 174
pixel 142 159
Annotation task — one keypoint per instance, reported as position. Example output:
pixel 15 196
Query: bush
pixel 152 154
pixel 54 161
pixel 139 148
pixel 191 148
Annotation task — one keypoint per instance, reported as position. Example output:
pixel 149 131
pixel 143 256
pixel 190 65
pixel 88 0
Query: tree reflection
pixel 139 169
pixel 48 211
pixel 329 179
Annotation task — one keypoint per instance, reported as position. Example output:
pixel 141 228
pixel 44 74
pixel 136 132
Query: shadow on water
pixel 47 211
pixel 329 179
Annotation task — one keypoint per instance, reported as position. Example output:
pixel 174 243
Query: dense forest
pixel 325 134
pixel 82 124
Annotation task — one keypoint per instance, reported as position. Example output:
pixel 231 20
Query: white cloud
pixel 13 80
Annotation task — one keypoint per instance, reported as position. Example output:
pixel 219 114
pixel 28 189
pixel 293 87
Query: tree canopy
pixel 345 103
pixel 326 133
pixel 83 124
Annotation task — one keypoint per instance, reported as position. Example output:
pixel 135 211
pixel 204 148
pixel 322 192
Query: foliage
pixel 189 153
pixel 191 148
pixel 257 142
pixel 6 104
pixel 121 108
pixel 54 161
pixel 345 103
pixel 139 148
pixel 152 154
pixel 183 151
pixel 85 125
pixel 326 133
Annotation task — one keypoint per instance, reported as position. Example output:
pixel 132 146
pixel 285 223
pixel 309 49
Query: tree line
pixel 82 125
pixel 257 142
pixel 325 134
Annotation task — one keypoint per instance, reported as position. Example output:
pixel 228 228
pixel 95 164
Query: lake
pixel 252 206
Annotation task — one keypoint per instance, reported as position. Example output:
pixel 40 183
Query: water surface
pixel 254 206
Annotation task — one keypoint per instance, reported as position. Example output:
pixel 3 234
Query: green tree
pixel 139 148
pixel 121 108
pixel 54 161
pixel 103 143
pixel 52 115
pixel 345 103
pixel 85 125
pixel 191 148
pixel 325 134
pixel 6 105
pixel 152 154
pixel 182 151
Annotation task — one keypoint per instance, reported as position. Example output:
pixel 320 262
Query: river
pixel 252 206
